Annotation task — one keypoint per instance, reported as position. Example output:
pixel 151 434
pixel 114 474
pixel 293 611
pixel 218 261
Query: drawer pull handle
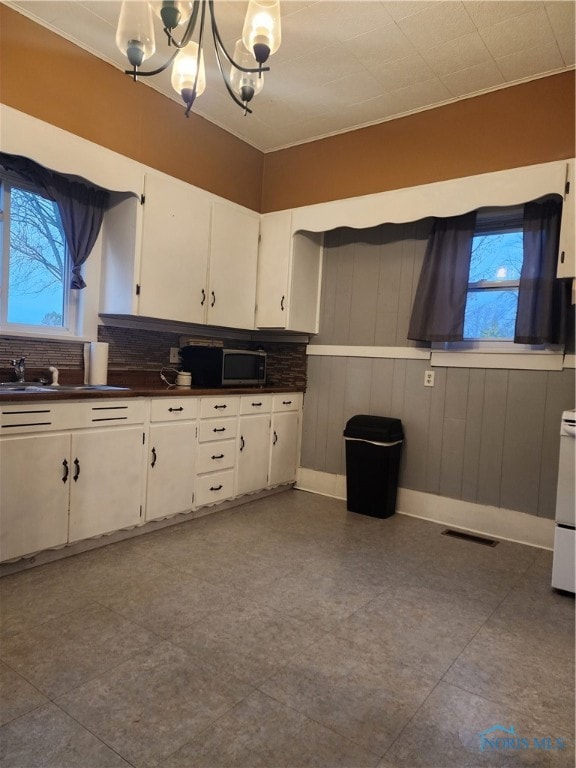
pixel 154 457
pixel 286 402
pixel 66 471
pixel 218 456
pixel 282 303
pixel 256 405
pixel 219 429
pixel 275 440
pixel 242 443
pixel 213 298
pixel 215 487
pixel 203 297
pixel 220 406
pixel 77 470
pixel 175 410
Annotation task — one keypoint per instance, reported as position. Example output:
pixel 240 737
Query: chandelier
pixel 242 73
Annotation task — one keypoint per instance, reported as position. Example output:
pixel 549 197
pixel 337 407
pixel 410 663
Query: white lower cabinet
pixel 75 470
pixel 253 443
pixel 34 493
pixel 285 437
pixel 217 430
pixel 171 457
pixel 68 471
pixel 106 484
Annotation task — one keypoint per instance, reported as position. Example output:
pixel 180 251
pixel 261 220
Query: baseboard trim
pixel 496 522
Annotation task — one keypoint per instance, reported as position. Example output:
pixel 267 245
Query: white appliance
pixel 564 567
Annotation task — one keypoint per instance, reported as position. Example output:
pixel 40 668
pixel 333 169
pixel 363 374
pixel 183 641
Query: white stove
pixel 564 567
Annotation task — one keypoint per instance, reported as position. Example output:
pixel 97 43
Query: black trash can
pixel 373 449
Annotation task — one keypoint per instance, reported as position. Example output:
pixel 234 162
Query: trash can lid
pixel 374 428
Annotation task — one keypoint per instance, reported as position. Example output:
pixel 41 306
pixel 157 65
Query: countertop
pixel 138 391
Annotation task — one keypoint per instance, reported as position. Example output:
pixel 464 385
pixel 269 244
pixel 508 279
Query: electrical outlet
pixel 429 378
pixel 174 355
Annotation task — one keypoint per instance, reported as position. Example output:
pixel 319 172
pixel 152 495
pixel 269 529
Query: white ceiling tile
pixel 440 22
pixel 486 13
pixel 385 43
pixel 400 9
pixel 352 88
pixel 532 61
pixel 339 19
pixel 402 72
pixel 561 17
pixel 462 53
pixel 474 79
pixel 517 34
pixel 420 95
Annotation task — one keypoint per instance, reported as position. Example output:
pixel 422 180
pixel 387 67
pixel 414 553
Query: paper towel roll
pixel 96 362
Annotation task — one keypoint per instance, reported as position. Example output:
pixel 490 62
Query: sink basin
pixel 34 387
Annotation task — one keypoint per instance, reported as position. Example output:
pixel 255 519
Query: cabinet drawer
pixel 173 408
pixel 215 487
pixel 217 429
pixel 212 457
pixel 255 404
pixel 218 406
pixel 289 401
pixel 45 416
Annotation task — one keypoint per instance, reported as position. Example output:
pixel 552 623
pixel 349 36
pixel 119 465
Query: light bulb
pixel 135 32
pixel 262 33
pixel 184 73
pixel 245 84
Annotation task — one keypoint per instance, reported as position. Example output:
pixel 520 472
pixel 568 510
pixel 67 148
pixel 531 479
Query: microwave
pixel 219 367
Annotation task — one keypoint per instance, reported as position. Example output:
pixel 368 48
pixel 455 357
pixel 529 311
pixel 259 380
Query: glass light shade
pixel 172 12
pixel 184 70
pixel 245 84
pixel 135 32
pixel 262 25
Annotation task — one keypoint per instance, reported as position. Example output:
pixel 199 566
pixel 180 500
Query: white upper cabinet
pixel 289 272
pixel 155 252
pixel 174 251
pixel 566 254
pixel 233 263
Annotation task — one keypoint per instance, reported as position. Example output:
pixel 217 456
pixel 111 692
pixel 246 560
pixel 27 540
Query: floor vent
pixel 469 537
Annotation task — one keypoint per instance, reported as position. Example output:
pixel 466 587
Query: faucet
pixel 19 368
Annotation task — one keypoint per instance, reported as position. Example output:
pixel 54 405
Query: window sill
pixel 503 356
pixel 38 335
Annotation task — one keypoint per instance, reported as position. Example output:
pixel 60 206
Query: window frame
pixel 75 303
pixel 502 353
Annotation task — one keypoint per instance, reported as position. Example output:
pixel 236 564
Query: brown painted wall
pixel 48 77
pixel 522 125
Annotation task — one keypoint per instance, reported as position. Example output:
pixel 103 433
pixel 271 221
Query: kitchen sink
pixel 34 387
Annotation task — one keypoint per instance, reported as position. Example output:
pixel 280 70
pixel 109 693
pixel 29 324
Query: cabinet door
pixel 34 489
pixel 175 245
pixel 567 255
pixel 273 270
pixel 284 447
pixel 170 480
pixel 233 261
pixel 253 454
pixel 106 481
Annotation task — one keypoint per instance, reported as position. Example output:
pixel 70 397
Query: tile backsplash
pixel 136 349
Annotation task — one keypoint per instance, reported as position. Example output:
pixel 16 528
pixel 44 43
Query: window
pixel 494 278
pixel 35 279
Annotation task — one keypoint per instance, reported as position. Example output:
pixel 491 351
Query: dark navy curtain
pixel 80 203
pixel 543 299
pixel 440 301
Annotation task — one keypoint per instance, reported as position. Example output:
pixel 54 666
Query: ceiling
pixel 344 64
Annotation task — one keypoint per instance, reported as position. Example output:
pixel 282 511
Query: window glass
pixel 495 266
pixel 35 261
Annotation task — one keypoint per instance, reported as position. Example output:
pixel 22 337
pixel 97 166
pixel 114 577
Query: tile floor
pixel 288 633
